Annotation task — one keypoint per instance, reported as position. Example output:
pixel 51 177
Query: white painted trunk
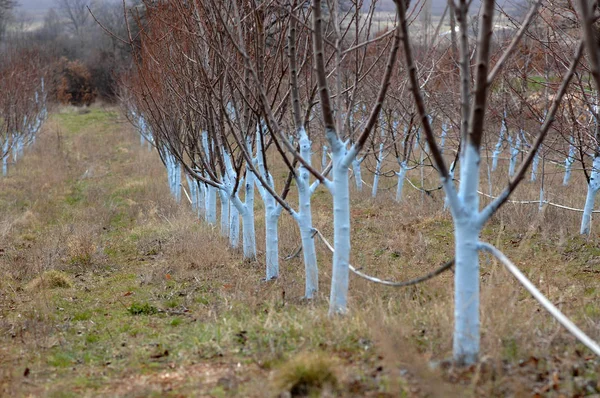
pixel 401 178
pixel 177 182
pixel 593 187
pixel 248 235
pixel 466 293
pixel 272 213
pixel 210 215
pixel 193 187
pixel 443 138
pixel 234 226
pixel 569 163
pixel 323 158
pixel 514 153
pixel 200 200
pixel 338 302
pixel 224 197
pixel 14 150
pixel 5 158
pixel 466 278
pixel 498 147
pixel 451 174
pixel 377 171
pixel 248 219
pixel 535 165
pixel 357 174
pixel 210 196
pixel 304 220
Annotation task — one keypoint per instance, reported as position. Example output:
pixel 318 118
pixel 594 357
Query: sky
pixel 36 9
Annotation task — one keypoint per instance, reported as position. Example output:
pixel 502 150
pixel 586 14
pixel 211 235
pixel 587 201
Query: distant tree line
pixel 84 60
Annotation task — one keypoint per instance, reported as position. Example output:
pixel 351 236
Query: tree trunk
pixel 466 278
pixel 272 213
pixel 357 174
pixel 338 302
pixel 401 178
pixel 377 171
pixel 593 187
pixel 234 226
pixel 224 197
pixel 248 219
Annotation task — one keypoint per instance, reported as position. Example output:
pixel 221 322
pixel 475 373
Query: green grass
pixel 74 120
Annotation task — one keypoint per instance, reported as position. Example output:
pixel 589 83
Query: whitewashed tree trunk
pixel 200 201
pixel 498 147
pixel 245 210
pixel 5 148
pixel 210 215
pixel 514 153
pixel 467 228
pixel 210 196
pixel 14 148
pixel 234 227
pixel 377 171
pixel 224 197
pixel 451 174
pixel 535 165
pixel 193 187
pixel 357 173
pixel 324 157
pixel 272 213
pixel 593 187
pixel 569 162
pixel 248 219
pixel 443 137
pixel 304 220
pixel 339 188
pixel 401 178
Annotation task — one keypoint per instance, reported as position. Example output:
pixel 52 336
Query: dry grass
pixel 88 202
pixel 50 280
pixel 307 374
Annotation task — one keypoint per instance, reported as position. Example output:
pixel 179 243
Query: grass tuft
pixel 50 280
pixel 308 374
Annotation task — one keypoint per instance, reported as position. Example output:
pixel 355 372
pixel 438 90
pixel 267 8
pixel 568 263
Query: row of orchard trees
pixel 230 91
pixel 22 102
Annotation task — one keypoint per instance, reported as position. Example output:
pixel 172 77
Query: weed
pixel 142 309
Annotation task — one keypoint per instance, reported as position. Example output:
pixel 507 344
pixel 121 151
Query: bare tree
pixel 6 7
pixel 76 14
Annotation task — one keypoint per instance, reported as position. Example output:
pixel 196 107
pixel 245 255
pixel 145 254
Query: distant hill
pixel 38 8
pixel 438 6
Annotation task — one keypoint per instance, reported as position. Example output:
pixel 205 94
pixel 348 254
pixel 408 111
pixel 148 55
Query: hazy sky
pixel 38 8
